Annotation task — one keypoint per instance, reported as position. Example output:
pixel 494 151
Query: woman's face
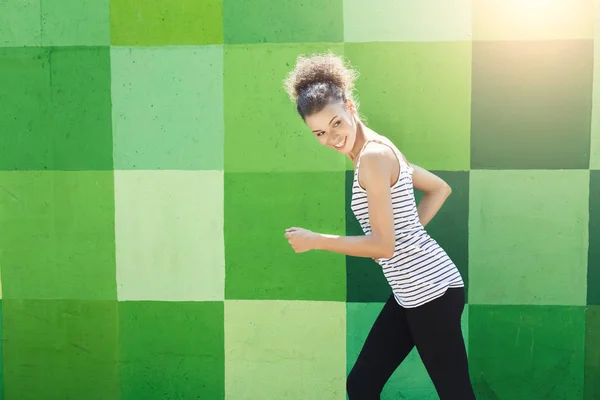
pixel 334 127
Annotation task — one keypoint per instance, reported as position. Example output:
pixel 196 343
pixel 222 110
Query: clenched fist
pixel 301 239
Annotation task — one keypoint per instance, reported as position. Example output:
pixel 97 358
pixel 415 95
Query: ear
pixel 350 106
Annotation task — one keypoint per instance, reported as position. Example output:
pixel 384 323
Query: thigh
pixel 386 346
pixel 437 333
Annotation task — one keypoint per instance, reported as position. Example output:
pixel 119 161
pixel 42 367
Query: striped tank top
pixel 420 270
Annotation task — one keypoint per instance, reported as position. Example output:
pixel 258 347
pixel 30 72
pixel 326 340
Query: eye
pixel 338 123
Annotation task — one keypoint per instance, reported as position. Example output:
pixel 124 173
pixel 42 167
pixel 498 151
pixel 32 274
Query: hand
pixel 301 239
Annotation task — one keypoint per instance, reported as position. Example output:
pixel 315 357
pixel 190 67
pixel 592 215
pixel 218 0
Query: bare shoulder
pixel 378 161
pixel 377 155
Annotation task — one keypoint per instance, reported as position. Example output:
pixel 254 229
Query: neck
pixel 362 135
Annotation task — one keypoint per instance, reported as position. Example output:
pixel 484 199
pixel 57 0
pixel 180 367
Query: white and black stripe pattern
pixel 420 270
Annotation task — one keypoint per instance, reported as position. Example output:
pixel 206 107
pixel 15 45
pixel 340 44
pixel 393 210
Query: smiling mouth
pixel 340 144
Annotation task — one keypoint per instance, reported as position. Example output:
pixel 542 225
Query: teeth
pixel 340 144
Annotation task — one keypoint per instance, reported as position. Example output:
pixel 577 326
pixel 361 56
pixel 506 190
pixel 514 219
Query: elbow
pixel 446 189
pixel 382 247
pixel 387 250
pixel 388 254
pixel 443 190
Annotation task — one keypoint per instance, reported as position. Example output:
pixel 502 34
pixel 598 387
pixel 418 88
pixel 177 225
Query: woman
pixel 428 297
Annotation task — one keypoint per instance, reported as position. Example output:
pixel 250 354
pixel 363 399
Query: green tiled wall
pixel 150 163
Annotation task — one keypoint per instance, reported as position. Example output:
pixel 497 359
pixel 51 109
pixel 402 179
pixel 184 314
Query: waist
pixel 419 245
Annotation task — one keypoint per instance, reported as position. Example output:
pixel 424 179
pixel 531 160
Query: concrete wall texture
pixel 150 162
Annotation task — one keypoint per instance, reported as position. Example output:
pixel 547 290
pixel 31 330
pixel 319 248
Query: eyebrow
pixel 321 130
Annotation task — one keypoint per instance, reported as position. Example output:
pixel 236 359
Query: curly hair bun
pixel 320 68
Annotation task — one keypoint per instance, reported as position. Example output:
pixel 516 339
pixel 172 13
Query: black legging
pixel 435 329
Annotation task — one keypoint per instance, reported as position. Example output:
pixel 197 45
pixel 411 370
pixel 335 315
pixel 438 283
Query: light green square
pixel 418 95
pixel 57 230
pixel 528 237
pixel 168 107
pixel 293 350
pixel 20 23
pixel 169 235
pixel 407 20
pixel 410 381
pixel 75 22
pixel 529 20
pixel 261 120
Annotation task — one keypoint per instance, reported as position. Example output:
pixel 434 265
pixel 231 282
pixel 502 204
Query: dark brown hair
pixel 318 80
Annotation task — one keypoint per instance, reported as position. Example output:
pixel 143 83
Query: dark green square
pixel 592 354
pixel 259 262
pixel 56 109
pixel 171 350
pixel 25 142
pixel 60 349
pixel 531 104
pixel 527 352
pixel 410 380
pixel 450 228
pixel 265 21
pixel 81 108
pixel 365 281
pixel 593 276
